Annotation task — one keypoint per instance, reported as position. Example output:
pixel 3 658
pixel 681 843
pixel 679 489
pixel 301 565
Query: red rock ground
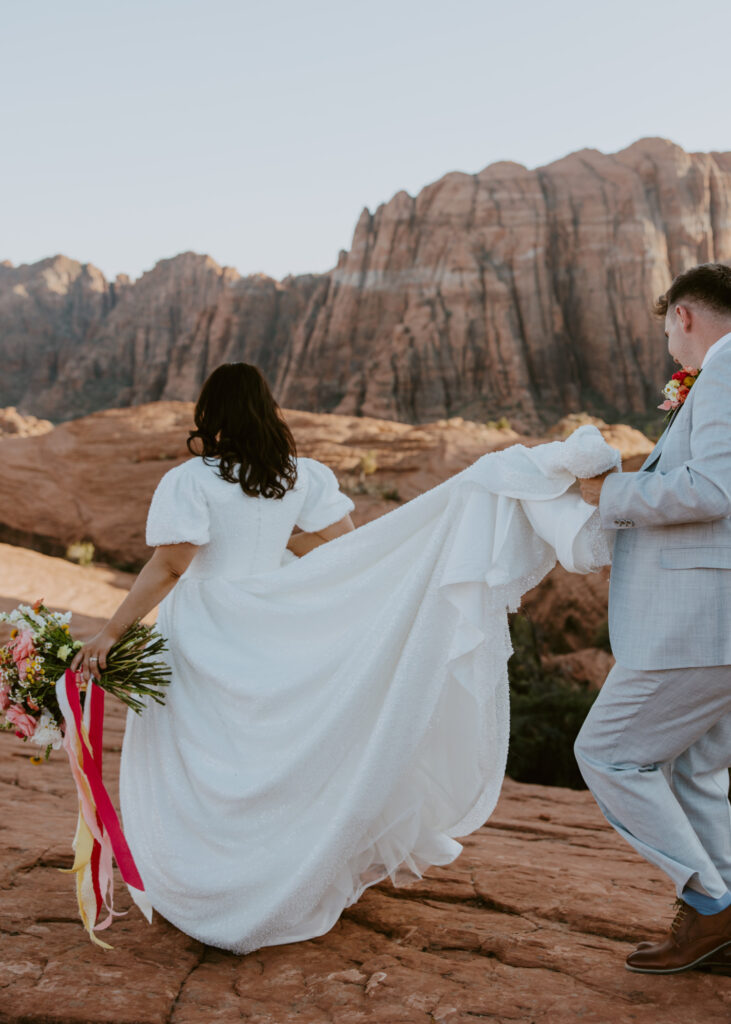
pixel 530 925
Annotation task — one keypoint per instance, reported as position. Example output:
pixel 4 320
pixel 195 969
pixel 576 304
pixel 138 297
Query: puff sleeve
pixel 324 502
pixel 178 511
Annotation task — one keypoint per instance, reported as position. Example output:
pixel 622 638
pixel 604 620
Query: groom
pixel 656 746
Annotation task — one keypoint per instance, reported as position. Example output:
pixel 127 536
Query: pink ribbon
pixel 104 807
pixel 95 805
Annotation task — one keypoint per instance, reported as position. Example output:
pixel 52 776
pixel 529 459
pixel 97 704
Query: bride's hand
pixel 301 543
pixel 91 659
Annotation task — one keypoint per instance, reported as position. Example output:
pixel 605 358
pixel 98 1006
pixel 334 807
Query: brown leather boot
pixel 717 963
pixel 693 939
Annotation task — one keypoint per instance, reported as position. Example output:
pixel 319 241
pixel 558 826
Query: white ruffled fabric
pixel 343 717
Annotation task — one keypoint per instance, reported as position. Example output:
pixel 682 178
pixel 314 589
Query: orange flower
pixel 678 388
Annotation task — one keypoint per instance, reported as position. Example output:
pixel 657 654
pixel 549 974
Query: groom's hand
pixel 591 487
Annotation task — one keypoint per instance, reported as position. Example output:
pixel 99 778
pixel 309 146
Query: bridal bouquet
pixel 40 700
pixel 39 652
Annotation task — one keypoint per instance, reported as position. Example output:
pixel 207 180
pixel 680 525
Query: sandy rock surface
pixel 13 422
pixel 91 479
pixel 92 592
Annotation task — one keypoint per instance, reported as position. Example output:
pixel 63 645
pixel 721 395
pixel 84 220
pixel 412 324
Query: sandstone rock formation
pixel 507 292
pixel 91 479
pixel 13 422
pixel 74 342
pixel 515 291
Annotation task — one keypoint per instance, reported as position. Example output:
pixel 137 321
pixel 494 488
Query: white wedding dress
pixel 339 718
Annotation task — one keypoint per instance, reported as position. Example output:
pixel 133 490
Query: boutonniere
pixel 677 389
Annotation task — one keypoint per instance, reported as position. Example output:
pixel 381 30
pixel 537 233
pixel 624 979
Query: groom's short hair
pixel 708 283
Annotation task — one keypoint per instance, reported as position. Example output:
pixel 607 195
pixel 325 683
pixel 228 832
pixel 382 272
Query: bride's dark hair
pixel 238 422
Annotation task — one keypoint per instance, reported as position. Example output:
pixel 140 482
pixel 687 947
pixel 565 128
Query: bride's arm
pixel 156 579
pixel 300 543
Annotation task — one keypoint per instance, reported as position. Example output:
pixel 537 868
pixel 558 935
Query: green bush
pixel 368 463
pixel 546 713
pixel 81 552
pixel 601 636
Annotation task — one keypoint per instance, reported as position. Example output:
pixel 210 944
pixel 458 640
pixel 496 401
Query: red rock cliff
pixel 508 292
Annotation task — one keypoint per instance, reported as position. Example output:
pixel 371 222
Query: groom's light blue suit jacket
pixel 670 584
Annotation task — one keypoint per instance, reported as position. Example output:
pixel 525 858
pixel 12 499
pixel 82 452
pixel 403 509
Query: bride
pixel 338 712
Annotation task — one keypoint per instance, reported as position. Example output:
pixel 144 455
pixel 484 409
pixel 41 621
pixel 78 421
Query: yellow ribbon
pixel 83 845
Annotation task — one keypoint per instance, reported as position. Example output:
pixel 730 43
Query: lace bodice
pixel 239 535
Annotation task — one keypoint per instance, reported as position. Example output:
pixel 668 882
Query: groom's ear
pixel 684 317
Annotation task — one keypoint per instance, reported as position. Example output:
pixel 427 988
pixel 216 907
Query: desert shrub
pixel 546 713
pixel 391 494
pixel 502 424
pixel 601 636
pixel 81 552
pixel 368 463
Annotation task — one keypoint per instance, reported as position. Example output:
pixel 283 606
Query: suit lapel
pixel 657 450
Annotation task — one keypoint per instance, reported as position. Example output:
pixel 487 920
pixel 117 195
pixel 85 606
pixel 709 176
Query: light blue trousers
pixel 655 751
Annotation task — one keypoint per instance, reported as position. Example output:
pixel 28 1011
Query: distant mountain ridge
pixel 512 292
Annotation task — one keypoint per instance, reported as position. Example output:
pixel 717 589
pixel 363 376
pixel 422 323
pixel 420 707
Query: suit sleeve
pixel 699 490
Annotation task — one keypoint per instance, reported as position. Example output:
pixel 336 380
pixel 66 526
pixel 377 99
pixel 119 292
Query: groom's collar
pixel 715 347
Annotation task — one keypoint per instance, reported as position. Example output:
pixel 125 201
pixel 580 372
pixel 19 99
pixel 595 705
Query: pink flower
pixel 25 724
pixel 4 696
pixel 23 646
pixel 678 388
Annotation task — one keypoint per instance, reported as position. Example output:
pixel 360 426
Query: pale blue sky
pixel 257 131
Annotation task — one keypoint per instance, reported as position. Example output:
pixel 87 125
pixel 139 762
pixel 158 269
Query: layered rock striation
pixel 513 292
pixel 75 343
